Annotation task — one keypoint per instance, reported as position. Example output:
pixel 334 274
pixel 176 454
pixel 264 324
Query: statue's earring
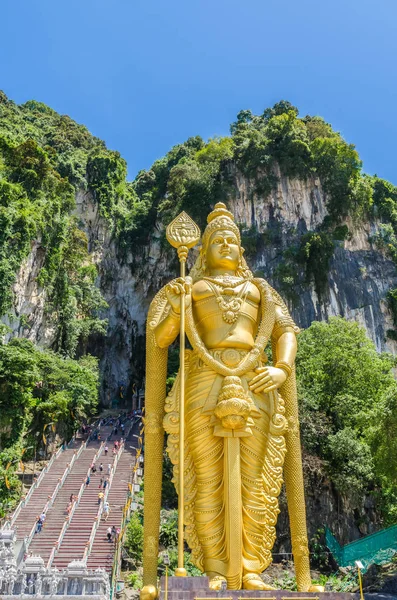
pixel 203 261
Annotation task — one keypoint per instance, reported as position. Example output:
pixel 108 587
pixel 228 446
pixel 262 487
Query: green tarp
pixel 375 548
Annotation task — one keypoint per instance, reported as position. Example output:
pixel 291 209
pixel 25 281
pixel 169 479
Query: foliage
pixel 385 207
pixel 41 394
pixel 315 252
pixel 286 582
pixel 135 580
pixel 286 275
pixel 339 582
pixel 347 396
pixel 74 300
pixel 133 542
pixel 169 498
pixel 339 168
pixel 169 528
pixel 385 200
pixel 320 557
pixel 36 201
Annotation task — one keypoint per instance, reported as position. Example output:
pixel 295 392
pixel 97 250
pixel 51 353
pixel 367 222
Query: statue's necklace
pixel 230 302
pixel 226 281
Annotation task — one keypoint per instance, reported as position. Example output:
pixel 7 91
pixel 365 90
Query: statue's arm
pixel 167 330
pixel 284 335
pixel 286 348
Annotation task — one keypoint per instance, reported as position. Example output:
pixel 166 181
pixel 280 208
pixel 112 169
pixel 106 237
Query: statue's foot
pixel 316 588
pixel 253 581
pixel 216 581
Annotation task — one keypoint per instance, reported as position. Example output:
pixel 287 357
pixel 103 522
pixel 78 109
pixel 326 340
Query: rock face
pixel 326 507
pixel 358 280
pixel 359 277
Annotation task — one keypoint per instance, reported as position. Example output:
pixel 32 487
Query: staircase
pixel 78 533
pixel 44 541
pixel 102 552
pixel 64 537
pixel 36 503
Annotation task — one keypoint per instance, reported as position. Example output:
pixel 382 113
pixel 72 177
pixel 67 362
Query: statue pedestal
pixel 197 588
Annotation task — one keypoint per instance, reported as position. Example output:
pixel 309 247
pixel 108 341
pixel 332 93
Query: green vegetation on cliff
pixel 41 393
pixel 42 160
pixel 348 408
pixel 45 158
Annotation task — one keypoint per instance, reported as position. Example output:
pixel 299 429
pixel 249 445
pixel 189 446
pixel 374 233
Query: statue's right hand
pixel 174 290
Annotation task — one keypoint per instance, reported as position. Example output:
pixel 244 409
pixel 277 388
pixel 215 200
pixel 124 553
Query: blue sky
pixel 146 74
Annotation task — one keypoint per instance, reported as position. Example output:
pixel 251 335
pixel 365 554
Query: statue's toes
pixel 253 581
pixel 216 582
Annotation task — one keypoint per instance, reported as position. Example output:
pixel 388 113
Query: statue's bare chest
pixel 220 309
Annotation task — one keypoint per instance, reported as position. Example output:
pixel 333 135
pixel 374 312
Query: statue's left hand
pixel 267 380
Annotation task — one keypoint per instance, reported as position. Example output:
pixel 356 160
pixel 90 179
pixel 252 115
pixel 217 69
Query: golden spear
pixel 182 233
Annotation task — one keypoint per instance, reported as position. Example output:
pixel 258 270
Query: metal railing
pixel 33 487
pixel 25 499
pixel 51 499
pixel 97 520
pixel 74 507
pixel 124 522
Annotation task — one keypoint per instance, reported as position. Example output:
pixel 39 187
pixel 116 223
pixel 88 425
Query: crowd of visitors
pixel 93 433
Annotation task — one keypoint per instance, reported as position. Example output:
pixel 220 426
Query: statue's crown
pixel 220 210
pixel 220 218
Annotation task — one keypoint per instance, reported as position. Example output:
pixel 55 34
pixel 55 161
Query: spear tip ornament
pixel 183 232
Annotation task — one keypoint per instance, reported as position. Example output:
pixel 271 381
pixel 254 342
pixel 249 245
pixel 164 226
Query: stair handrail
pixel 61 481
pixel 97 520
pixel 68 519
pixel 25 499
pixel 10 522
pixel 29 538
pixel 65 525
pixel 51 499
pixel 116 558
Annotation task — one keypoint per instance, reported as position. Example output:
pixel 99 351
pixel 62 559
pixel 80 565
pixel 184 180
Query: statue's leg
pixel 207 453
pixel 262 457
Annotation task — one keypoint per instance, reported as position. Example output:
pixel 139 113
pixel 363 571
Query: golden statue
pixel 240 426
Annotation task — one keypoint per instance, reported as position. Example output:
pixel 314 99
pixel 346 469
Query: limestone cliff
pixel 358 280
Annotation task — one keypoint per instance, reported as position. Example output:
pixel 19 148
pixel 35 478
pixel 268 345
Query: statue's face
pixel 223 251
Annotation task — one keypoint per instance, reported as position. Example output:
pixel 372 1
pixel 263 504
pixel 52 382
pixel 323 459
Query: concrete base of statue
pixel 195 588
